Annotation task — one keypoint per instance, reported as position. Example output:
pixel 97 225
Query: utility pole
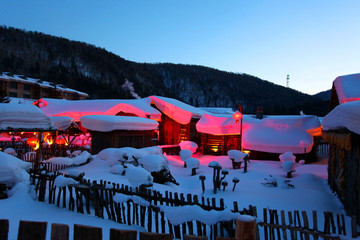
pixel 287 80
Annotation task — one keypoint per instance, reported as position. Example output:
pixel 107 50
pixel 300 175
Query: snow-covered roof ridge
pixel 39 82
pixel 107 123
pixel 345 115
pixel 177 110
pixel 24 117
pixel 348 87
pixel 79 108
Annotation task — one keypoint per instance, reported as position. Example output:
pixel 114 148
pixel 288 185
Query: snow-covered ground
pixel 310 191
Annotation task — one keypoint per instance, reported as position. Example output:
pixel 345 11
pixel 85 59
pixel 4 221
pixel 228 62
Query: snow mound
pixel 13 170
pixel 288 166
pixel 138 176
pixel 214 164
pixel 189 145
pixel 154 163
pixel 75 173
pixel 77 160
pixel 121 198
pixel 117 169
pixel 288 156
pixel 237 155
pixel 10 151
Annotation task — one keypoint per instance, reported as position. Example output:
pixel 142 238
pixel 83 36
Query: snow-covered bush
pixel 138 176
pixel 237 157
pixel 10 151
pixel 13 170
pixel 288 156
pixel 189 145
pixel 185 154
pixel 193 164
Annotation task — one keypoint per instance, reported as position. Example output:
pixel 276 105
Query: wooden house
pixel 345 89
pixel 120 131
pixel 265 138
pixel 178 121
pixel 342 131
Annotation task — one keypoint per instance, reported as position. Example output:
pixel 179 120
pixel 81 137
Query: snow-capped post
pixel 305 144
pixel 235 181
pixel 202 179
pixel 239 116
pixel 246 160
pixel 216 174
pixel 224 184
pixel 288 163
pixel 193 164
pixel 245 228
pixel 184 155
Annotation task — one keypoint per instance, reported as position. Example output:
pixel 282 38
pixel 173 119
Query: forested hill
pixel 102 74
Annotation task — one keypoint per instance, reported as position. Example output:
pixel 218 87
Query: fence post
pixel 116 234
pixel 245 228
pixel 4 229
pixel 87 232
pixel 29 230
pixel 59 231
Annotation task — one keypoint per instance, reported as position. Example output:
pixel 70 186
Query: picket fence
pixel 96 198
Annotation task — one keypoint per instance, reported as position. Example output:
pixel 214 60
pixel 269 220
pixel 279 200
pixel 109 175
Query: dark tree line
pixel 101 74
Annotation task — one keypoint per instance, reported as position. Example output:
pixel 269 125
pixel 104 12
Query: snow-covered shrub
pixel 288 156
pixel 138 176
pixel 237 155
pixel 193 164
pixel 13 170
pixel 189 145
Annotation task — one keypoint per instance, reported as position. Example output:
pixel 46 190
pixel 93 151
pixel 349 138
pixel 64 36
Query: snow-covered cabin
pixel 345 89
pixel 341 129
pixel 114 107
pixel 265 138
pixel 120 131
pixel 24 118
pixel 178 120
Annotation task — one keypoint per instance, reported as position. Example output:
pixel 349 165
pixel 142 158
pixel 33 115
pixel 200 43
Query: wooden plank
pixel 59 231
pixel 29 230
pixel 354 232
pixel 155 236
pixel 292 233
pixel 277 223
pixel 283 223
pixel 245 229
pixel 306 224
pixel 192 237
pixel 4 229
pixel 86 232
pixel 116 234
pixel 265 221
pixel 315 224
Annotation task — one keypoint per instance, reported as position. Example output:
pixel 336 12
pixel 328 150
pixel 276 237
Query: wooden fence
pixel 96 198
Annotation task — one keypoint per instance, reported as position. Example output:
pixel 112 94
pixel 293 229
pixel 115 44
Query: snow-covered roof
pixel 279 134
pixel 62 123
pixel 106 123
pixel 345 115
pixel 39 82
pixel 275 134
pixel 79 108
pixel 23 117
pixel 348 88
pixel 178 111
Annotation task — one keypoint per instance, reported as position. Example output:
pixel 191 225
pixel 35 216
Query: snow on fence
pixel 97 198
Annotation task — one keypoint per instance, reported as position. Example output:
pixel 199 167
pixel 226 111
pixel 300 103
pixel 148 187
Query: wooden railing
pixel 97 198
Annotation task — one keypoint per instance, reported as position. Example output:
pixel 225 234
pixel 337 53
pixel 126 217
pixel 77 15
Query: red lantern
pixel 60 141
pixel 31 141
pixel 237 116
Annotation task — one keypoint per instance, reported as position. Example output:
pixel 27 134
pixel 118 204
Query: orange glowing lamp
pixel 237 116
pixel 60 141
pixel 31 141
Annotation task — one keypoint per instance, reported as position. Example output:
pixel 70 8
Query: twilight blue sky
pixel 313 41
